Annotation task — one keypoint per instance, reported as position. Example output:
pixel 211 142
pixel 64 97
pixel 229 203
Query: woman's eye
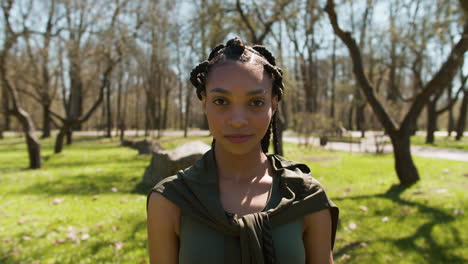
pixel 220 101
pixel 257 103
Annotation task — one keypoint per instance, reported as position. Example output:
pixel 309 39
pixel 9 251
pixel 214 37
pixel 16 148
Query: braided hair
pixel 236 50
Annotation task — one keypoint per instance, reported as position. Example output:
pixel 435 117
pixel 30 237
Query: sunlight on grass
pixel 441 142
pixel 82 207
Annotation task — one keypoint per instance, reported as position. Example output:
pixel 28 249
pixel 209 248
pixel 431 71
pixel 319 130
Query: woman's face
pixel 239 105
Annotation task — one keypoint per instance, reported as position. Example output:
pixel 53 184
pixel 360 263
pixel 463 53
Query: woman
pixel 238 204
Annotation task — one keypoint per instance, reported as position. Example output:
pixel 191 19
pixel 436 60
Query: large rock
pixel 168 162
pixel 143 146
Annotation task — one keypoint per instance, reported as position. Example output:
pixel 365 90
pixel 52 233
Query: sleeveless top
pixel 201 244
pixel 209 235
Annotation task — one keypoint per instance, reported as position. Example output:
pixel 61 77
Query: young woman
pixel 238 204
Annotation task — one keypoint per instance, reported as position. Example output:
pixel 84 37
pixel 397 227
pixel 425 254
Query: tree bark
pixel 461 123
pixel 431 121
pixel 46 121
pixel 108 112
pixel 406 170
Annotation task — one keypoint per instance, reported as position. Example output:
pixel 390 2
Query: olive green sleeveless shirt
pixel 209 235
pixel 201 244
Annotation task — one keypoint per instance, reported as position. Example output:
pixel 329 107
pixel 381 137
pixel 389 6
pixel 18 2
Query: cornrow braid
pixel 265 53
pixel 215 50
pixel 265 142
pixel 275 133
pixel 237 51
pixel 198 77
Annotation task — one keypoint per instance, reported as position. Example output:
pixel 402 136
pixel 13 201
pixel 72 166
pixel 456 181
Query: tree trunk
pixel 431 121
pixel 333 81
pixel 462 117
pixel 350 115
pixel 59 140
pixel 404 165
pixel 108 112
pixel 360 119
pixel 46 121
pixel 187 112
pixel 69 134
pixel 450 121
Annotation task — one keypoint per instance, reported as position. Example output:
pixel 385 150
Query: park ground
pixel 84 206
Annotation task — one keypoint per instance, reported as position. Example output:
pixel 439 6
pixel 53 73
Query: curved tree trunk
pixel 59 140
pixel 406 170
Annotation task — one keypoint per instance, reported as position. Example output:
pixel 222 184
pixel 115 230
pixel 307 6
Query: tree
pixel 400 135
pixel 10 38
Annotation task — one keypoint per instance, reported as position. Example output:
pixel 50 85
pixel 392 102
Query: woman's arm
pixel 163 230
pixel 317 237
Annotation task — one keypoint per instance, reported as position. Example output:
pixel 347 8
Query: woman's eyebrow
pixel 224 91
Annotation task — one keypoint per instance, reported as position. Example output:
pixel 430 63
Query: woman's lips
pixel 238 138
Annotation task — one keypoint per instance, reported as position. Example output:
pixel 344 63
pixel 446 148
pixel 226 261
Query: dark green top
pixel 274 235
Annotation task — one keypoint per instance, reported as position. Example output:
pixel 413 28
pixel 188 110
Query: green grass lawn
pixel 441 142
pixel 82 207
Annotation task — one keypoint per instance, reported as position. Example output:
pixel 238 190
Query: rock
pixel 143 146
pixel 168 162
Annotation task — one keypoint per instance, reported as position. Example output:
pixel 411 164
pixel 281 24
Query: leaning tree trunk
pixel 431 121
pixel 406 170
pixel 60 138
pixel 462 117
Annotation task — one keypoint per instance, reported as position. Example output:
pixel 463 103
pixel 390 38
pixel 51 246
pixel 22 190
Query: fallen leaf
pixel 457 212
pixel 385 219
pixel 59 242
pixel 363 208
pixel 57 201
pixel 407 211
pixel 26 238
pixel 21 221
pixel 142 260
pixel 118 245
pixel 352 226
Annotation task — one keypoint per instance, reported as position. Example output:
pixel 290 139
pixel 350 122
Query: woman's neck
pixel 241 168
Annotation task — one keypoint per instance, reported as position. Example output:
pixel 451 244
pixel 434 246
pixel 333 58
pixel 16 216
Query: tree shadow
pixel 433 252
pixel 82 184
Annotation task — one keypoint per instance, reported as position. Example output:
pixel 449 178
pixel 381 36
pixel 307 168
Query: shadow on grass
pixel 82 184
pixel 434 253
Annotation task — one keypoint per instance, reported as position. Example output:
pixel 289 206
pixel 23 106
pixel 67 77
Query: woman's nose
pixel 238 118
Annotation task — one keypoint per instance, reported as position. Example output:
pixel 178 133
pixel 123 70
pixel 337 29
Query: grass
pixel 441 142
pixel 82 207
